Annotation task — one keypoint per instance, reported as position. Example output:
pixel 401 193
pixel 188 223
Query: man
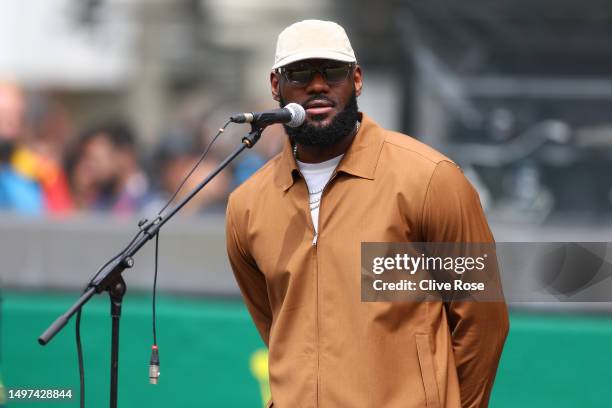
pixel 294 233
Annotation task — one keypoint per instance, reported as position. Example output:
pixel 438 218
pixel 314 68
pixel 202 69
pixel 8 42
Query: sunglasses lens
pixel 336 74
pixel 302 76
pixel 299 76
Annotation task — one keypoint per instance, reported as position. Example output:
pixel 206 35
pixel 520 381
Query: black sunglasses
pixel 302 75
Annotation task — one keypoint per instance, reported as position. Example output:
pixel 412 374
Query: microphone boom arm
pixel 112 273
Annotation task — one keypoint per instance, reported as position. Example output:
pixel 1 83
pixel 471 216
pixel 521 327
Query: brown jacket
pixel 326 347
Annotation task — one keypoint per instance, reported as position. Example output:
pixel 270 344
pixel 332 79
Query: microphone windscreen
pixel 298 114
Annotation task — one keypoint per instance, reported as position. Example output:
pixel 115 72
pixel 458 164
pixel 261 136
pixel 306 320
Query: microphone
pixel 292 114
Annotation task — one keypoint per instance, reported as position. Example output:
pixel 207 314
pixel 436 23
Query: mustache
pixel 318 97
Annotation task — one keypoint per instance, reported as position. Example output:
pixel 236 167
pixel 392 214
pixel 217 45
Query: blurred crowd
pixel 50 166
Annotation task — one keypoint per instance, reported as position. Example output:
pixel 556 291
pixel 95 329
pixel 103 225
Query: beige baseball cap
pixel 310 39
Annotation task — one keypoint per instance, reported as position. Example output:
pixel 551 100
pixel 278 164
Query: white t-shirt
pixel 317 175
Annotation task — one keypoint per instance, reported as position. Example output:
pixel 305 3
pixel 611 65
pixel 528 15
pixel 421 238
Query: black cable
pixel 154 361
pixel 155 288
pixel 80 357
pixel 221 130
pixel 123 252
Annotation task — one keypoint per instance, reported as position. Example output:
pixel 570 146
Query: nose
pixel 317 84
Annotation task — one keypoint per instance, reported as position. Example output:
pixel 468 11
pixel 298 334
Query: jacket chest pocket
pixel 428 372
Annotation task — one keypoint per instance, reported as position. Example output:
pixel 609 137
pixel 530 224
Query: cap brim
pixel 314 54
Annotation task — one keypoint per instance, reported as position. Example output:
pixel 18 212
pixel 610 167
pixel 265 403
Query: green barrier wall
pixel 206 350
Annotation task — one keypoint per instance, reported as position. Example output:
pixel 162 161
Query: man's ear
pixel 274 84
pixel 357 78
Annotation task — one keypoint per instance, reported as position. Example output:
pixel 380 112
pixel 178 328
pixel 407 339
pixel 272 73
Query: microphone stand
pixel 111 280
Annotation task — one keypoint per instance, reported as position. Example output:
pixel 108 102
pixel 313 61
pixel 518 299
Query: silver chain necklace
pixel 317 201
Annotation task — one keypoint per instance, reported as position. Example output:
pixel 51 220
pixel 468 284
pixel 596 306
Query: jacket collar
pixel 359 160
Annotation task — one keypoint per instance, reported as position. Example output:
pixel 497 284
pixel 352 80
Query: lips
pixel 318 107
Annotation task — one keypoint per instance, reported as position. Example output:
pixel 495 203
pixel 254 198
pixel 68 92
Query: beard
pixel 309 135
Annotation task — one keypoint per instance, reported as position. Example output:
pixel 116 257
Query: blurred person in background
pixel 50 128
pixel 106 174
pixel 17 191
pixel 177 153
pixel 30 183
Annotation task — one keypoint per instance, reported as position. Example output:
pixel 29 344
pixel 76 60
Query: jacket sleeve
pixel 250 279
pixel 452 213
